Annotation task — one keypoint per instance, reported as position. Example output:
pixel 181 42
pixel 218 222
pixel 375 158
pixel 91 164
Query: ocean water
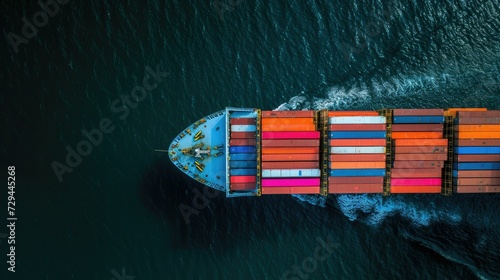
pixel 116 212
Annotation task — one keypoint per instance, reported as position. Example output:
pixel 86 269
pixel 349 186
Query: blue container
pixel 357 172
pixel 357 134
pixel 477 150
pixel 243 156
pixel 242 164
pixel 477 166
pixel 242 149
pixel 419 119
pixel 243 172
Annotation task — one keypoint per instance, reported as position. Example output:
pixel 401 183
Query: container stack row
pixel 242 152
pixel 290 153
pixel 419 149
pixel 477 152
pixel 357 146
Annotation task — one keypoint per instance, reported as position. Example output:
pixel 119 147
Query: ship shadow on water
pixel 224 222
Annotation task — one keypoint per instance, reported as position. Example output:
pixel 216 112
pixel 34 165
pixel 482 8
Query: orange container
pixel 290 165
pixel 289 157
pixel 357 165
pixel 478 189
pixel 478 173
pixel 352 113
pixel 491 181
pixel 442 156
pixel 416 173
pixel 421 149
pixel 453 111
pixel 429 127
pixel 289 127
pixel 287 121
pixel 403 135
pixel 416 189
pixel 477 127
pixel 357 142
pixel 287 114
pixel 357 127
pixel 291 190
pixel 355 188
pixel 356 180
pixel 290 143
pixel 478 135
pixel 295 150
pixel 357 157
pixel 420 142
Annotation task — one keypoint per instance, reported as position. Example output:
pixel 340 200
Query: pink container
pixel 290 182
pixel 416 181
pixel 290 135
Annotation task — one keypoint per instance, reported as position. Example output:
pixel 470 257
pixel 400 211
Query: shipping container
pixel 242 121
pixel 242 179
pixel 418 119
pixel 357 157
pixel 453 111
pixel 243 128
pixel 243 187
pixel 242 149
pixel 477 135
pixel 242 142
pixel 477 127
pixel 415 182
pixel 477 142
pixel 403 135
pixel 478 189
pixel 477 150
pixel 243 156
pixel 417 164
pixel 239 135
pixel 357 134
pixel 357 150
pixel 357 172
pixel 417 112
pixel 287 121
pixel 421 150
pixel 355 188
pixel 281 173
pixel 476 173
pixel 243 172
pixel 357 165
pixel 291 135
pixel 420 142
pixel 290 143
pixel 476 166
pixel 289 127
pixel 416 189
pixel 483 181
pixel 416 173
pixel 477 121
pixel 290 182
pixel 357 142
pixel 478 158
pixel 290 157
pixel 357 120
pixel 291 190
pixel 418 157
pixel 417 127
pixel 290 164
pixel 288 150
pixel 356 180
pixel 357 127
pixel 352 113
pixel 484 114
pixel 287 114
pixel 242 164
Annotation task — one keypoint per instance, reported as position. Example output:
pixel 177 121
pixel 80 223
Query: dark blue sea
pixel 79 67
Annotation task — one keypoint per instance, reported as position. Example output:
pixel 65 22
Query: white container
pixel 284 173
pixel 357 150
pixel 357 120
pixel 242 128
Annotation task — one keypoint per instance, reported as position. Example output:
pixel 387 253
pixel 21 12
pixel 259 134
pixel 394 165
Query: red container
pixel 416 173
pixel 242 142
pixel 243 187
pixel 290 190
pixel 289 150
pixel 417 127
pixel 357 157
pixel 478 173
pixel 357 127
pixel 242 179
pixel 355 188
pixel 240 135
pixel 352 113
pixel 484 114
pixel 416 189
pixel 356 180
pixel 242 121
pixel 415 182
pixel 290 165
pixel 356 142
pixel 477 158
pixel 287 114
pixel 273 135
pixel 357 164
pixel 421 150
pixel 290 143
pixel 418 112
pixel 478 189
pixel 418 157
pixel 479 120
pixel 486 181
pixel 477 142
pixel 418 164
pixel 290 157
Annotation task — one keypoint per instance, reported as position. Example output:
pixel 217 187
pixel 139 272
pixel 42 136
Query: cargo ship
pixel 249 152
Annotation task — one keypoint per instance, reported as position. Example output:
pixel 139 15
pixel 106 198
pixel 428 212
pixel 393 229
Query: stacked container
pixel 477 152
pixel 357 143
pixel 419 150
pixel 242 152
pixel 290 153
